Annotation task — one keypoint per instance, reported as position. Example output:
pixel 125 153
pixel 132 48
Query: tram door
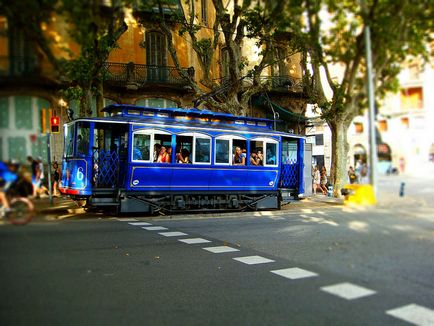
pixel 289 178
pixel 110 152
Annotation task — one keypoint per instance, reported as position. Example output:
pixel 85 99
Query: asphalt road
pixel 110 272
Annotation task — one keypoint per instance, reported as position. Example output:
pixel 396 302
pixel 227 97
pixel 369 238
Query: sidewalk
pixel 61 208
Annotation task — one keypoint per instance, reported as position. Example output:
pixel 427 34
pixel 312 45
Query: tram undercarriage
pixel 165 203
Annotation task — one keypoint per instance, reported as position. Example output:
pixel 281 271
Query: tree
pixel 94 27
pixel 331 34
pixel 234 22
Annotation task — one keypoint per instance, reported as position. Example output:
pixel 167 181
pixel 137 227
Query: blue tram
pixel 142 159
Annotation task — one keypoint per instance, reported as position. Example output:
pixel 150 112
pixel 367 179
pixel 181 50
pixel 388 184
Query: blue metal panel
pixel 76 175
pixel 151 176
pixel 196 178
pixel 301 167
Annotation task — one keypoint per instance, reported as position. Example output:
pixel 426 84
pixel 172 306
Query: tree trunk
pixel 340 147
pixel 99 98
pixel 86 102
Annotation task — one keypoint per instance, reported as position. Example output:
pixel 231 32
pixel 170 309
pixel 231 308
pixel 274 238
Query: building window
pixel 405 122
pixel 382 125
pixel 319 139
pixel 224 62
pixel 156 57
pixel 204 11
pixel 412 98
pixel 359 127
pixel 157 103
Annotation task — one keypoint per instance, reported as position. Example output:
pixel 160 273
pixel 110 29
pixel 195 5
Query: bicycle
pixel 21 209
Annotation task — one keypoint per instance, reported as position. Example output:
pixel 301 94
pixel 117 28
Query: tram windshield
pixel 69 141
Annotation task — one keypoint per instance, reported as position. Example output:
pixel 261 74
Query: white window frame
pixel 266 141
pixel 196 135
pixel 231 139
pixel 152 133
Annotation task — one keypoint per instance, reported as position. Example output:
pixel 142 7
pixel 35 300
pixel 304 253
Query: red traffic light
pixel 55 124
pixel 55 121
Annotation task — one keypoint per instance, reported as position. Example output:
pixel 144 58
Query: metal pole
pixel 50 193
pixel 372 138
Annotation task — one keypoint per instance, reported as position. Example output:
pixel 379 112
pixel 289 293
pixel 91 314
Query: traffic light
pixel 55 124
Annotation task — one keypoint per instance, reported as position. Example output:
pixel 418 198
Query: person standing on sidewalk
pixel 56 178
pixel 317 180
pixel 324 180
pixel 352 175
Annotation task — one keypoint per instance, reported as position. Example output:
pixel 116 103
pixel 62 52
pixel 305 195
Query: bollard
pixel 401 189
pixel 330 191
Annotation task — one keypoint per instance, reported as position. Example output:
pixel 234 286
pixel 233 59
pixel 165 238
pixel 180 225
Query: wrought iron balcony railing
pixel 127 74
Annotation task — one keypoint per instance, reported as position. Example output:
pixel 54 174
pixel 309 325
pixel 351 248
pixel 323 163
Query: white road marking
pixel 221 249
pixel 413 313
pixel 294 273
pixel 194 240
pixel 173 234
pixel 126 219
pixel 348 291
pixel 140 223
pixel 253 260
pixel 155 228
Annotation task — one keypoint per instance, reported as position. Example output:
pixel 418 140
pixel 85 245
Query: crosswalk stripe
pixel 294 273
pixel 220 249
pixel 253 260
pixel 154 228
pixel 139 223
pixel 194 240
pixel 413 313
pixel 348 291
pixel 172 234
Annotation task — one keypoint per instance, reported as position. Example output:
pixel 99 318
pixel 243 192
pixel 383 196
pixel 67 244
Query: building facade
pixel 404 123
pixel 140 71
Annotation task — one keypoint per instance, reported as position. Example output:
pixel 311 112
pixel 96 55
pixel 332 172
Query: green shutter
pixel 39 147
pixel 4 112
pixel 23 112
pixel 17 148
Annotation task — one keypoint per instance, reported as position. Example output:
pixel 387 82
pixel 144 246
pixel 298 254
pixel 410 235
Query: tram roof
pixel 133 110
pixel 169 117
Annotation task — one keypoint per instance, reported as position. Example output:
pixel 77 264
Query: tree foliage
pixel 93 27
pixel 331 34
pixel 235 21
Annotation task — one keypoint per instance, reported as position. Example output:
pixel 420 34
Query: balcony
pixel 283 84
pixel 134 76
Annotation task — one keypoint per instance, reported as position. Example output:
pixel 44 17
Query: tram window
pixel 237 159
pixel 184 148
pixel 83 135
pixel 289 151
pixel 162 140
pixel 256 153
pixel 270 154
pixel 222 151
pixel 141 147
pixel 202 150
pixel 69 140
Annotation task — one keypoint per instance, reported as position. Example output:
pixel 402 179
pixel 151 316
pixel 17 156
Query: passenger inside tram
pixel 239 158
pixel 183 156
